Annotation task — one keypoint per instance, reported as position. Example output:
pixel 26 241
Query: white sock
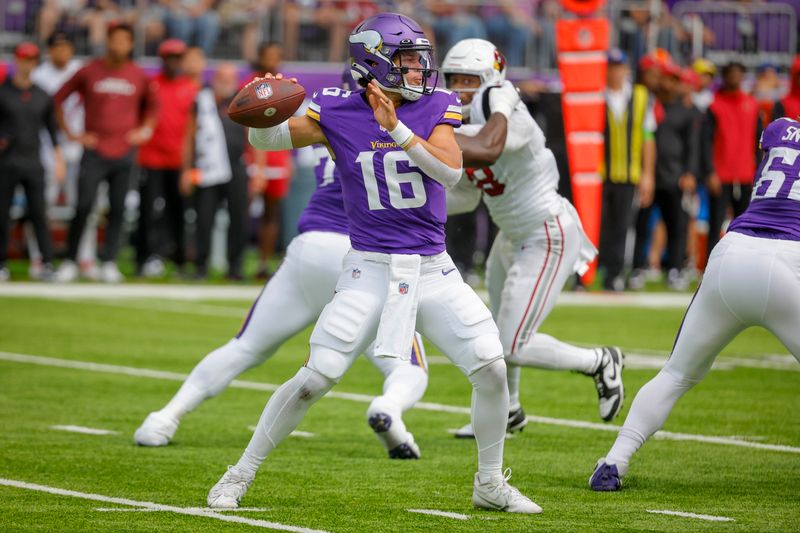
pixel 211 376
pixel 490 417
pixel 544 351
pixel 514 372
pixel 283 413
pixel 405 385
pixel 648 413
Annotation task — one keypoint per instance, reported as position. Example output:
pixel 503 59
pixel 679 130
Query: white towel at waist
pixel 399 316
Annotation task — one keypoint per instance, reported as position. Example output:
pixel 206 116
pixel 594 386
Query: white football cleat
pixel 156 430
pixel 229 490
pixel 109 273
pixel 497 494
pixel 398 442
pixel 67 272
pixel 608 382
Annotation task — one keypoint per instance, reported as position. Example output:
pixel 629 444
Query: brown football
pixel 266 103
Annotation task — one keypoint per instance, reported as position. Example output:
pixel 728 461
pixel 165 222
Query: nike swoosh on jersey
pixel 446 272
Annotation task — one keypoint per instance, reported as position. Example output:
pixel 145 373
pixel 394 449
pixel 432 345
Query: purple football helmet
pixel 377 47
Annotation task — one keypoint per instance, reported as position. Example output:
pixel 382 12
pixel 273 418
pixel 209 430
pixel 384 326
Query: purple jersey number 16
pixel 780 175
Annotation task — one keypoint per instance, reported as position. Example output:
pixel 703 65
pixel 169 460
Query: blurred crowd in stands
pixel 154 157
pixel 315 30
pixel 309 29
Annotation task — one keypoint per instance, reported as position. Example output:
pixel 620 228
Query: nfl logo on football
pixel 263 91
pixel 403 287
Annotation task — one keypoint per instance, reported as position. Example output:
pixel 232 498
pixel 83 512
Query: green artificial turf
pixel 340 479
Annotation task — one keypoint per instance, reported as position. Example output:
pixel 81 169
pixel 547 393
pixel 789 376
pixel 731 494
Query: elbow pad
pixel 433 167
pixel 271 139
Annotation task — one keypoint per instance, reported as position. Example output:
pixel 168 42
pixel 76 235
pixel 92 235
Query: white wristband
pixel 402 134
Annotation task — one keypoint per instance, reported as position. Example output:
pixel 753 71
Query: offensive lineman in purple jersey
pixel 752 279
pixel 393 182
pixel 292 299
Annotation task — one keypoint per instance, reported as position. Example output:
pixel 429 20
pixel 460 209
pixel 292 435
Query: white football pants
pixel 449 314
pixel 524 280
pixel 291 301
pixel 749 281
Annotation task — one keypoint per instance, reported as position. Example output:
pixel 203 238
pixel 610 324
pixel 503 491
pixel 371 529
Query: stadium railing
pixel 753 33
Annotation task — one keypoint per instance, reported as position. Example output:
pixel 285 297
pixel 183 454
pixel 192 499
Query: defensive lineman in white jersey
pixel 541 241
pixel 752 279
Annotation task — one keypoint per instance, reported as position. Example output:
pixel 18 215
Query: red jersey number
pixel 484 179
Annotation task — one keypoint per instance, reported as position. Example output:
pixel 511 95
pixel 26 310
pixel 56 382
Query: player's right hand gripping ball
pixel 266 102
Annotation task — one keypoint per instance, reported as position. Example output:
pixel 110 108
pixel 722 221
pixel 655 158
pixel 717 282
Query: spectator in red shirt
pixel 120 115
pixel 732 129
pixel 161 159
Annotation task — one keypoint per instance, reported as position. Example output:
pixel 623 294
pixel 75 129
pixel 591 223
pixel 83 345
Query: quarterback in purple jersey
pixel 751 280
pixel 395 146
pixel 291 301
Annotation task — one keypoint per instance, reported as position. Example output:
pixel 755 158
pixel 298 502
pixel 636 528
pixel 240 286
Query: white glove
pixel 503 99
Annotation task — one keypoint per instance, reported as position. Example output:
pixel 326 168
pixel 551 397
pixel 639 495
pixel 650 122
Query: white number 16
pixel 394 179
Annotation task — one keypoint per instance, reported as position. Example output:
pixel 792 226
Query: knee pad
pixel 313 385
pixel 488 347
pixel 330 363
pixel 492 375
pixel 487 351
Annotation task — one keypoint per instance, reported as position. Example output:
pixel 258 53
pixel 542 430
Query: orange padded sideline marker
pixel 582 46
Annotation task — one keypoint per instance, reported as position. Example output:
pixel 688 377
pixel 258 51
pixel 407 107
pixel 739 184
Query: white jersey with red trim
pixel 520 188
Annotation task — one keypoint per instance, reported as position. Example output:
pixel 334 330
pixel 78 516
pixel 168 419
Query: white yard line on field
pixel 82 291
pixel 191 511
pixel 199 509
pixel 445 514
pixel 85 430
pixel 655 361
pixel 178 299
pixel 708 517
pixel 365 398
pixel 184 308
pixel 229 292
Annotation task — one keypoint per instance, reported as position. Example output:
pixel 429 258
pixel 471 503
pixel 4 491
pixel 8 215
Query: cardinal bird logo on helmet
pixel 499 61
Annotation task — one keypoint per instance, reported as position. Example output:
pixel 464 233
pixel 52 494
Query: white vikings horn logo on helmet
pixel 371 40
